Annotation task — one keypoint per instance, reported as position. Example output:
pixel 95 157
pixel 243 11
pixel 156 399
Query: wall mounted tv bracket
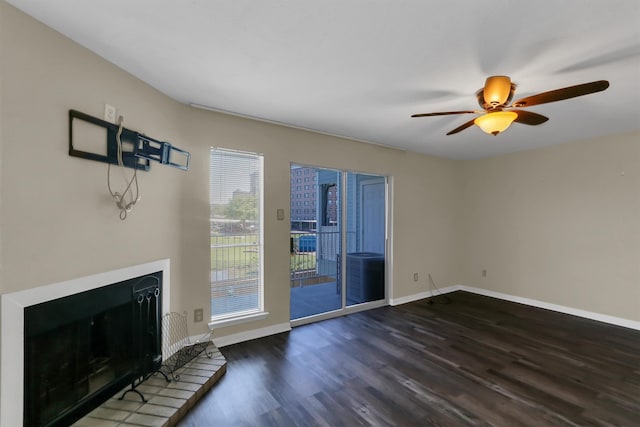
pixel 137 149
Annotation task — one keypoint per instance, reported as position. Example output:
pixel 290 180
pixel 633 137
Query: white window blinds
pixel 235 229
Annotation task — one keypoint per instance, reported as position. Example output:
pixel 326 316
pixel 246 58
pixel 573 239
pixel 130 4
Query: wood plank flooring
pixel 475 361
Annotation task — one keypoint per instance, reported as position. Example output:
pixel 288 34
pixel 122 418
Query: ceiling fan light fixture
pixel 497 90
pixel 494 123
pixel 496 96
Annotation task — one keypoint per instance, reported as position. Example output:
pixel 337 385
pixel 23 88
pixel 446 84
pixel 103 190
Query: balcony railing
pixel 235 269
pixel 235 266
pixel 314 257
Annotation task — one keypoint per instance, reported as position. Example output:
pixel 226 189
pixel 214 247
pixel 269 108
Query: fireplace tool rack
pixel 146 330
pixel 177 346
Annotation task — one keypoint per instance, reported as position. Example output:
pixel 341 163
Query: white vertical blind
pixel 236 223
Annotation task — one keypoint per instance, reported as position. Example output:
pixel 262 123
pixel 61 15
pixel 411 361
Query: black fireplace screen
pixel 82 349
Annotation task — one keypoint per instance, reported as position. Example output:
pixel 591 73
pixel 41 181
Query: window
pixel 236 234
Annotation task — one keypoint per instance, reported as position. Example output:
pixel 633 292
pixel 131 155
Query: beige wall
pixel 560 224
pixel 57 221
pixel 426 245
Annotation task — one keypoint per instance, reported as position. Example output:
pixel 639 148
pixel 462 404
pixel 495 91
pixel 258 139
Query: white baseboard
pixel 251 335
pixel 619 321
pixel 613 320
pixel 423 295
pixel 605 318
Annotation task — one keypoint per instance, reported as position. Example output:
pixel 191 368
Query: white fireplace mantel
pixel 12 326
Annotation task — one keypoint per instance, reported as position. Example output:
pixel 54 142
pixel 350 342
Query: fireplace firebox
pixel 81 349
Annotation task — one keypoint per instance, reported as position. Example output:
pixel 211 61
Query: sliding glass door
pixel 366 238
pixel 337 240
pixel 315 240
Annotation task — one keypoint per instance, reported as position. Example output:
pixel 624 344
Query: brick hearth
pixel 167 402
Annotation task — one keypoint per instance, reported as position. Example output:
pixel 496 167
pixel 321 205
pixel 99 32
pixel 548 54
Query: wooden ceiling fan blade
pixel 529 118
pixel 462 127
pixel 562 94
pixel 445 113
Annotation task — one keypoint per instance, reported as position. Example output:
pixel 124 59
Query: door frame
pixel 388 180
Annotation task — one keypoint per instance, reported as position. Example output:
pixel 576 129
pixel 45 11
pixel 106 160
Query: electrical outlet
pixel 198 315
pixel 484 273
pixel 280 214
pixel 415 277
pixel 109 113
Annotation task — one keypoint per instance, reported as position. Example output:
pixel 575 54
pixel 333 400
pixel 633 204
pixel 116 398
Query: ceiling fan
pixel 498 113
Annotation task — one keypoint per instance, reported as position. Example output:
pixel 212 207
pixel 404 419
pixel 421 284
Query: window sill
pixel 251 317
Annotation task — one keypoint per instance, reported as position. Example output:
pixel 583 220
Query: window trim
pixel 258 313
pixel 238 318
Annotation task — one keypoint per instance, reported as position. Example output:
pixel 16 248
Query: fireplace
pixel 83 342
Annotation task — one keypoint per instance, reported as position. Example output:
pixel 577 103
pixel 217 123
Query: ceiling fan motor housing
pixel 496 93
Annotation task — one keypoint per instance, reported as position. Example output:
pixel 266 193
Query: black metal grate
pixel 177 348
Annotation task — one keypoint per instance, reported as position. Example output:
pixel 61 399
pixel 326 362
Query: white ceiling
pixel 360 68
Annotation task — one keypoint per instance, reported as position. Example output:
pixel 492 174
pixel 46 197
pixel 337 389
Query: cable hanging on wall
pixel 121 198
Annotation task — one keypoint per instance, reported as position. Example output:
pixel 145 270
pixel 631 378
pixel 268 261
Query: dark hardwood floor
pixel 476 361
